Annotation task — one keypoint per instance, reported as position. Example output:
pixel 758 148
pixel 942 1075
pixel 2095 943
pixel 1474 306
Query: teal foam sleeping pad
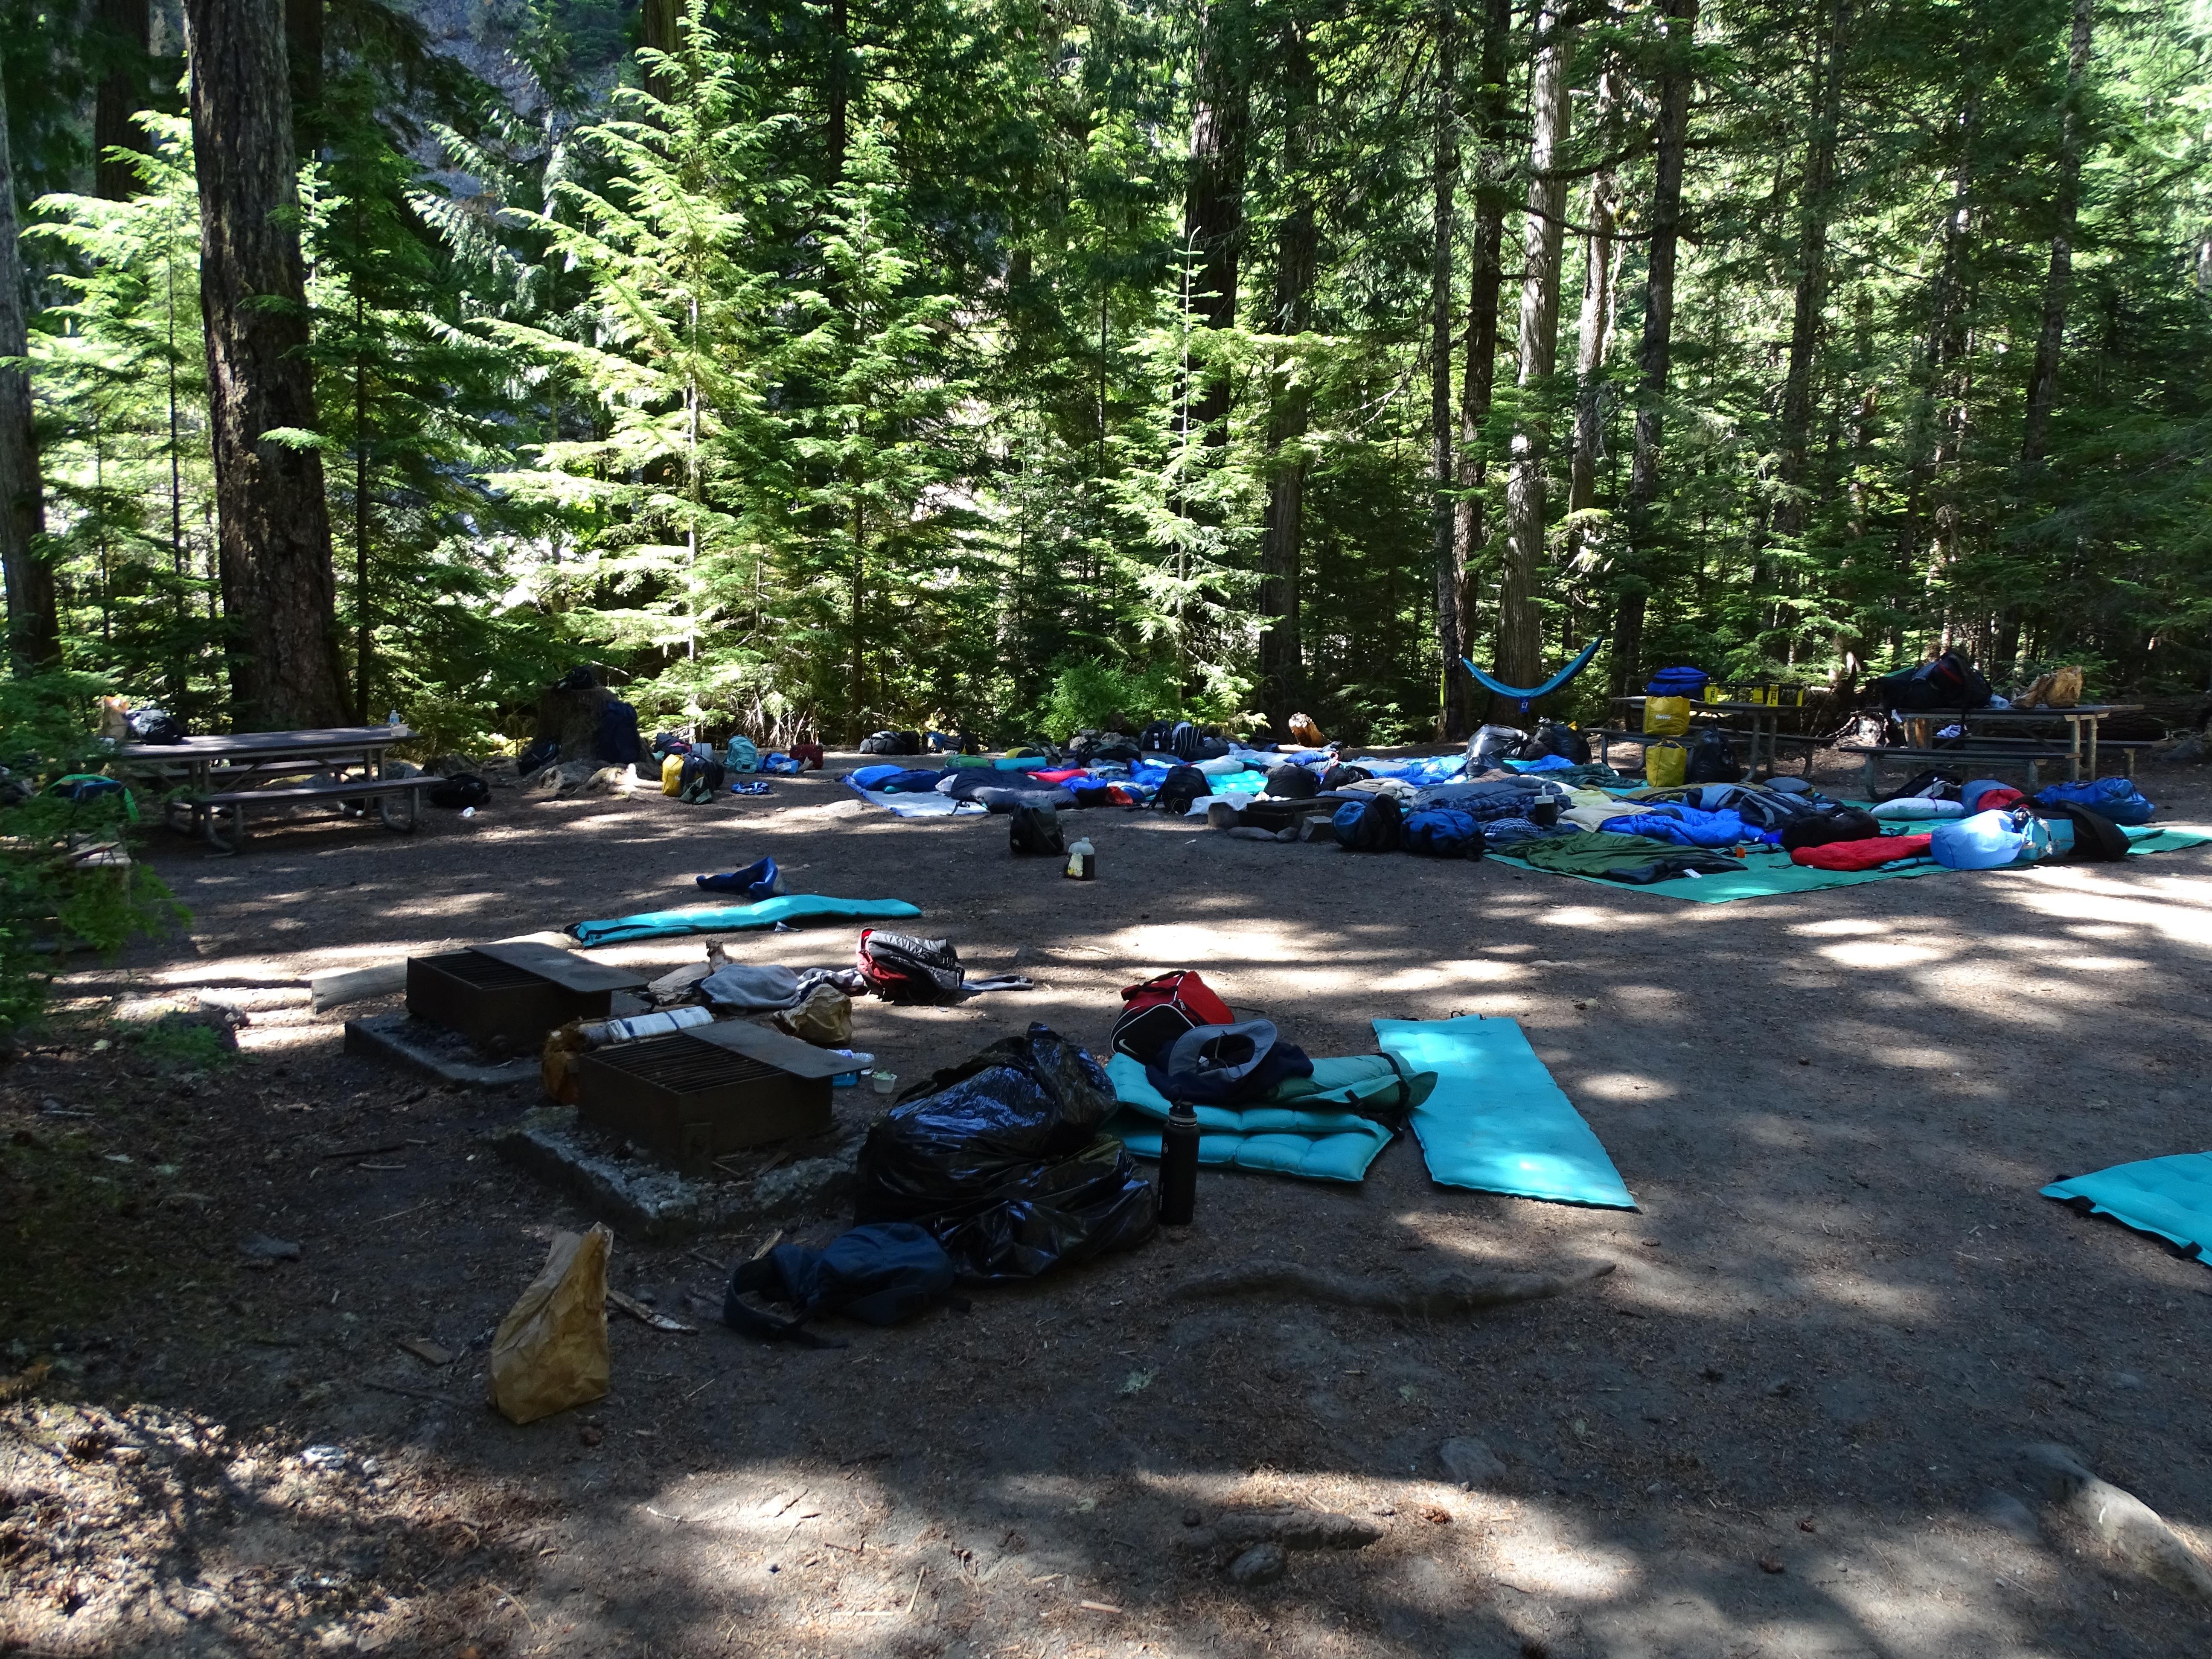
pixel 795 908
pixel 1496 1122
pixel 2170 1197
pixel 1319 1146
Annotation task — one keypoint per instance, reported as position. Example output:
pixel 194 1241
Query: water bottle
pixel 1179 1166
pixel 392 718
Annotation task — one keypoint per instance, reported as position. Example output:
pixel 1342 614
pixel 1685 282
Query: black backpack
pixel 1036 829
pixel 699 780
pixel 1818 828
pixel 1183 739
pixel 2096 839
pixel 879 1274
pixel 1339 775
pixel 154 726
pixel 1711 760
pixel 1949 682
pixel 1156 737
pixel 1919 782
pixel 1181 786
pixel 1293 782
pixel 465 789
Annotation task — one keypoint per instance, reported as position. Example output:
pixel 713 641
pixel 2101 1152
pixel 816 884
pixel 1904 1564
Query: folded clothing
pixel 1862 854
pixel 1512 832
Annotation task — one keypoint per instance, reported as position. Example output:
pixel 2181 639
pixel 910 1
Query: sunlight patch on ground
pixel 1584 916
pixel 1881 953
pixel 1625 1086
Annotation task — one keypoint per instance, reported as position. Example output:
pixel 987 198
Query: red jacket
pixel 1862 854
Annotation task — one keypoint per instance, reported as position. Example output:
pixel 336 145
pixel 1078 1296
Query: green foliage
pixel 51 899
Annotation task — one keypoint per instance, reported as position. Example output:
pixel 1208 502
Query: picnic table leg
pixel 2094 722
pixel 383 813
pixel 212 816
pixel 1870 776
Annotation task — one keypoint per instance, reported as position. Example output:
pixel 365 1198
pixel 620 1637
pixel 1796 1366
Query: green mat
pixel 1766 873
pixel 1496 1122
pixel 794 909
pixel 2168 1197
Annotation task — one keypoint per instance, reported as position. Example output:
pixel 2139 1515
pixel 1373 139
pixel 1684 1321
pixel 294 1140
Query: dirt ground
pixel 1778 1428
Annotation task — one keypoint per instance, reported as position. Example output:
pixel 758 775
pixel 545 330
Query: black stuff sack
pixel 1339 775
pixel 884 1274
pixel 2096 839
pixel 1036 829
pixel 1181 786
pixel 455 792
pixel 902 967
pixel 1293 782
pixel 1000 1158
pixel 154 726
pixel 1818 828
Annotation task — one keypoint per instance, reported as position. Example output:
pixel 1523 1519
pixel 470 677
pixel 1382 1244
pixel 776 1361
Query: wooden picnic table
pixel 230 773
pixel 1920 723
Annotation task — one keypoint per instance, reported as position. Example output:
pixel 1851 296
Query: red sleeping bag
pixel 1862 854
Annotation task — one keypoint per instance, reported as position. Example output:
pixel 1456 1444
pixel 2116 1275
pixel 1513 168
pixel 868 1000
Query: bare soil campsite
pixel 1808 1411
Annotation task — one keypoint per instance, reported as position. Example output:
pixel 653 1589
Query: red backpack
pixel 1156 1013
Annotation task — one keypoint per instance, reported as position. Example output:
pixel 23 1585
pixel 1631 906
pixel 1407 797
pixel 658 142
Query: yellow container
pixel 1666 765
pixel 1667 717
pixel 671 775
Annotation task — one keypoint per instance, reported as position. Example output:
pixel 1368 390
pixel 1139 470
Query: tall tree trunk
pixel 1485 277
pixel 1296 253
pixel 303 59
pixel 660 29
pixel 33 627
pixel 2058 286
pixel 1451 714
pixel 1213 202
pixel 1672 135
pixel 125 33
pixel 1813 210
pixel 1596 329
pixel 1519 630
pixel 1949 338
pixel 274 527
pixel 839 87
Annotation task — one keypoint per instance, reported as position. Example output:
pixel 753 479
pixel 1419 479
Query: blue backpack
pixel 1371 825
pixel 1443 833
pixel 2117 798
pixel 881 1274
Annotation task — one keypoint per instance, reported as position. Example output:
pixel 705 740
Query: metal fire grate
pixel 690 1102
pixel 482 972
pixel 504 998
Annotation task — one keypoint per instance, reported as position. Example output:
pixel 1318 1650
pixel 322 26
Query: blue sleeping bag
pixel 2117 798
pixel 1690 826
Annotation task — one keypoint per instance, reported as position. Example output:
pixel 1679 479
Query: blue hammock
pixel 1526 697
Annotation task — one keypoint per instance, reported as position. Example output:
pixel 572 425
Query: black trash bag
pixel 1001 1159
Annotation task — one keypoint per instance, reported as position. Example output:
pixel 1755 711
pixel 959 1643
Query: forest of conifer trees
pixel 1017 364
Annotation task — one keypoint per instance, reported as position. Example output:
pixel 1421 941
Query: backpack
pixel 1711 760
pixel 1156 737
pixel 536 758
pixel 1443 832
pixel 1293 782
pixel 700 779
pixel 1181 786
pixel 1340 775
pixel 901 967
pixel 885 743
pixel 1818 828
pixel 880 1274
pixel 1553 738
pixel 1933 784
pixel 742 756
pixel 1154 1014
pixel 464 790
pixel 2096 839
pixel 1184 741
pixel 1949 682
pixel 154 726
pixel 1036 829
pixel 1368 825
pixel 618 744
pixel 1989 841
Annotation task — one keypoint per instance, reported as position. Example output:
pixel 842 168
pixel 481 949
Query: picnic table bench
pixel 2078 751
pixel 1760 728
pixel 211 779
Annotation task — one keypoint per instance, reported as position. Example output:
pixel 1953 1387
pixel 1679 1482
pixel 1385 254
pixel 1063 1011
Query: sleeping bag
pixel 1861 854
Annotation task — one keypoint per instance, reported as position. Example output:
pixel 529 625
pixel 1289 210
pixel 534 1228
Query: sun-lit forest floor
pixel 1775 1429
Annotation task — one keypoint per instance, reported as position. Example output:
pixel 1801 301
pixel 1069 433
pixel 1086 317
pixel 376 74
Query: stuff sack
pixel 1370 825
pixel 1340 776
pixel 1293 782
pixel 1441 832
pixel 741 754
pixel 884 1274
pixel 455 792
pixel 154 726
pixel 1156 1013
pixel 1868 854
pixel 1181 786
pixel 1712 760
pixel 1685 682
pixel 1000 1158
pixel 699 779
pixel 2117 798
pixel 1820 829
pixel 671 775
pixel 902 967
pixel 2096 839
pixel 885 743
pixel 1667 717
pixel 1666 764
pixel 618 744
pixel 1032 830
pixel 551 1351
pixel 1988 841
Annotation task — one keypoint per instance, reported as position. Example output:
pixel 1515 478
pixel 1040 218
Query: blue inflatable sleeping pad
pixel 796 908
pixel 2170 1197
pixel 1318 1145
pixel 1497 1122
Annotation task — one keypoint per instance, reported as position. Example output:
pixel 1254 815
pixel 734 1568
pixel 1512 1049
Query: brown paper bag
pixel 551 1352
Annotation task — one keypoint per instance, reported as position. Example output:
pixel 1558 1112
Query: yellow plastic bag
pixel 1667 717
pixel 551 1352
pixel 672 776
pixel 1666 765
